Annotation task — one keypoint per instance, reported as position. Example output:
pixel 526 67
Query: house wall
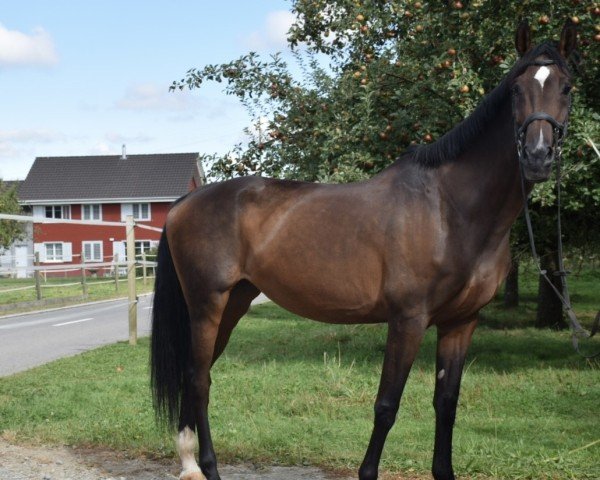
pixel 77 234
pixel 16 260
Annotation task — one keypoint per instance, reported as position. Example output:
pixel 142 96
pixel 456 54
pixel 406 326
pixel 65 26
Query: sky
pixel 85 77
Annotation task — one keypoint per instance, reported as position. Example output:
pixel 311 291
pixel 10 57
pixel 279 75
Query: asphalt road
pixel 34 339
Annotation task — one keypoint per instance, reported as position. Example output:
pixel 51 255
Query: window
pixel 58 211
pixel 141 211
pixel 142 246
pixel 91 212
pixel 54 252
pixel 92 251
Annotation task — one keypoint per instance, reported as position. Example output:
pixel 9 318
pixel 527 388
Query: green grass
pixel 584 287
pixel 291 391
pixel 97 289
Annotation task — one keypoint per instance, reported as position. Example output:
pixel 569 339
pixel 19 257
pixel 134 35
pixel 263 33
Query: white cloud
pixel 30 136
pixel 20 49
pixel 115 137
pixel 102 148
pixel 278 24
pixel 153 97
pixel 7 150
pixel 273 35
pixel 18 148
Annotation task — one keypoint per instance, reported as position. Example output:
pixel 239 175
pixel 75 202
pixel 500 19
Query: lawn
pixel 68 289
pixel 291 391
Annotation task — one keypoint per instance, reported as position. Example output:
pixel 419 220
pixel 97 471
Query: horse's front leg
pixel 451 351
pixel 404 338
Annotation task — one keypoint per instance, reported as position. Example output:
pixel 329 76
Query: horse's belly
pixel 322 309
pixel 323 288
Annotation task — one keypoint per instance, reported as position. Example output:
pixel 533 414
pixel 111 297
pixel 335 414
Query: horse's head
pixel 541 100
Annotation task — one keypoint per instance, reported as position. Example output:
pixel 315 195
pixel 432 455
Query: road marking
pixel 31 323
pixel 74 321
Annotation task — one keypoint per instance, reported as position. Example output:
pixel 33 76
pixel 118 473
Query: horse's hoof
pixel 196 475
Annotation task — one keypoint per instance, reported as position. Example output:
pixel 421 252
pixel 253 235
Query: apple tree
pixel 10 230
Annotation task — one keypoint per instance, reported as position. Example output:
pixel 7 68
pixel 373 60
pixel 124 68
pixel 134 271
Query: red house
pixel 103 188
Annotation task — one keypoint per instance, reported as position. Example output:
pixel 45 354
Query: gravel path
pixel 44 463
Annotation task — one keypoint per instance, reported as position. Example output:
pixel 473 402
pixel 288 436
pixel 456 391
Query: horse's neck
pixel 483 184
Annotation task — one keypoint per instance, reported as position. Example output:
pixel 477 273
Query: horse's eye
pixel 566 89
pixel 516 90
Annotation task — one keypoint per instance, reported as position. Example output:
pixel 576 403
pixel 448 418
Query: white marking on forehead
pixel 541 75
pixel 441 374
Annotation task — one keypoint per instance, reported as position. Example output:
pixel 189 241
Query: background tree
pixel 10 231
pixel 376 77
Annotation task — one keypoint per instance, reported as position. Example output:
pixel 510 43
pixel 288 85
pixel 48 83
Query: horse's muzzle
pixel 537 163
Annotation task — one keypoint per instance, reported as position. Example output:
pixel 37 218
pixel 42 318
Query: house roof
pixel 109 177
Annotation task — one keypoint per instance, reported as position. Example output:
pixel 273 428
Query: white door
pixel 21 262
pixel 120 250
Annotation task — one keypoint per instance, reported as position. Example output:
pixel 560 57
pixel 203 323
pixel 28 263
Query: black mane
pixel 454 142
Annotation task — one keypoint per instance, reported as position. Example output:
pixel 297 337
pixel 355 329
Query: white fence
pixel 13 266
pixel 128 265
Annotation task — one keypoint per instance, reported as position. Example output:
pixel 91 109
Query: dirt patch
pixel 62 463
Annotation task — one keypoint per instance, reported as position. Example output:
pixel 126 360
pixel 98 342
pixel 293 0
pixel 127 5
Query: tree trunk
pixel 549 307
pixel 511 286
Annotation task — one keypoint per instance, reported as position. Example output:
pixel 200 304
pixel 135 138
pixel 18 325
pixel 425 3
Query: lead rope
pixel 577 331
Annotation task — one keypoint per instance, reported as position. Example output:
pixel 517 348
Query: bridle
pixel 559 130
pixel 559 134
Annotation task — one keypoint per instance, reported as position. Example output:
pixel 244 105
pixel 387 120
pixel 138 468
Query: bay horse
pixel 423 243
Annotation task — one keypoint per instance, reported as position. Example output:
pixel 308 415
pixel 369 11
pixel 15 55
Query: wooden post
pixel 131 280
pixel 116 264
pixel 36 275
pixel 83 279
pixel 144 276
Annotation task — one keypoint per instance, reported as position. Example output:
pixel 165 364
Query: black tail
pixel 170 342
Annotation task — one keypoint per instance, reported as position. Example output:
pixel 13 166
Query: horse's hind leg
pixel 240 298
pixel 205 318
pixel 451 351
pixel 192 406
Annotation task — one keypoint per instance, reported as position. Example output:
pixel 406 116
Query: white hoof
pixel 192 475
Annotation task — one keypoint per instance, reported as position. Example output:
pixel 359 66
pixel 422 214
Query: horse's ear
pixel 523 37
pixel 568 39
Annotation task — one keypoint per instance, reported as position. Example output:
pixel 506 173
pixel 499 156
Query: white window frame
pixel 42 249
pixel 139 214
pixel 89 215
pixel 91 244
pixel 52 257
pixel 140 244
pixel 65 212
